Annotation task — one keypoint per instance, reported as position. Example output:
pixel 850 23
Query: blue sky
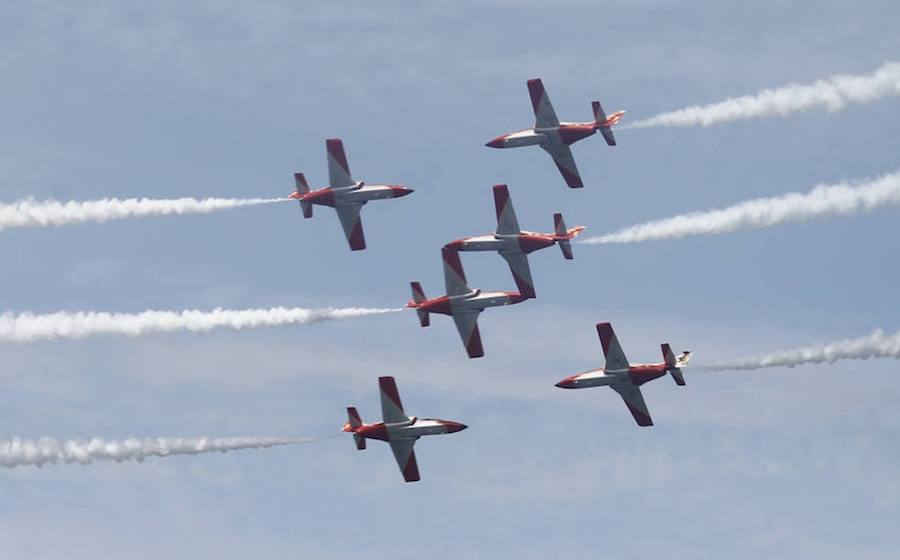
pixel 228 99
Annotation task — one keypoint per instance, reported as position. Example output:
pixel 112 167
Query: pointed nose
pixel 567 383
pixel 453 427
pixel 455 245
pixel 496 142
pixel 400 190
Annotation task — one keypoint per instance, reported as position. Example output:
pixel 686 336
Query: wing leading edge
pixel 406 458
pixel 565 162
pixel 634 400
pixel 348 214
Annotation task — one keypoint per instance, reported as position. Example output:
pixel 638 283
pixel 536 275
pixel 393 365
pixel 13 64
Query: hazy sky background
pixel 228 99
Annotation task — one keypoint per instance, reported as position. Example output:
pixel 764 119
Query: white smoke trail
pixel 47 450
pixel 876 345
pixel 29 327
pixel 842 199
pixel 41 213
pixel 833 94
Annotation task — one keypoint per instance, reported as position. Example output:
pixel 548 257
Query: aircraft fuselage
pixel 524 242
pixel 414 428
pixel 477 300
pixel 342 196
pixel 566 133
pixel 636 375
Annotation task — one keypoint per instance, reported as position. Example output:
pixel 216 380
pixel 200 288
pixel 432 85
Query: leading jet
pixel 398 429
pixel 513 244
pixel 343 194
pixel 461 302
pixel 627 379
pixel 555 137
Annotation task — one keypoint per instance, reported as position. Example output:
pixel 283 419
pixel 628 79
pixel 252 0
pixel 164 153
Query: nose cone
pixel 455 245
pixel 453 427
pixel 518 297
pixel 400 190
pixel 496 142
pixel 567 383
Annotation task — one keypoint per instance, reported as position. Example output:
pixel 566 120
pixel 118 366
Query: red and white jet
pixel 556 137
pixel 344 194
pixel 398 429
pixel 627 379
pixel 461 302
pixel 513 244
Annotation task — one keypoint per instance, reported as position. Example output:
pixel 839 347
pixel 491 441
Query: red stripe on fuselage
pixel 571 133
pixel 322 197
pixel 374 431
pixel 532 242
pixel 642 374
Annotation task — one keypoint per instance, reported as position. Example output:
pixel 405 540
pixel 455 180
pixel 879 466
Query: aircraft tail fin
pixel 604 123
pixel 353 424
pixel 675 363
pixel 418 297
pixel 564 235
pixel 353 420
pixel 301 187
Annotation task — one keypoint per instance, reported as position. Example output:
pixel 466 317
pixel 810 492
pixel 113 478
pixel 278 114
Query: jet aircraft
pixel 398 429
pixel 343 194
pixel 556 137
pixel 627 379
pixel 513 244
pixel 461 302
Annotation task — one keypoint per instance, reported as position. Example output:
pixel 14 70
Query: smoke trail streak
pixel 842 199
pixel 41 213
pixel 47 450
pixel 833 94
pixel 29 327
pixel 876 345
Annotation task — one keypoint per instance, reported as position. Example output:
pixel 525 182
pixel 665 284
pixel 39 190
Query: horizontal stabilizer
pixel 674 364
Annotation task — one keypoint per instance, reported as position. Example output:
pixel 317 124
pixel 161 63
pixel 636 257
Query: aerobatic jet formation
pixel 627 379
pixel 513 244
pixel 343 194
pixel 461 302
pixel 556 137
pixel 397 429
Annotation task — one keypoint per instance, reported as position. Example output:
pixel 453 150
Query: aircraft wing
pixel 634 400
pixel 338 170
pixel 406 458
pixel 455 281
pixel 391 407
pixel 467 325
pixel 544 115
pixel 562 157
pixel 507 224
pixel 615 357
pixel 518 265
pixel 348 214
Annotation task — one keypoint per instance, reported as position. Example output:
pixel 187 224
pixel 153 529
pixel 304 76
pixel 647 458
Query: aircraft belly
pixel 524 139
pixel 487 243
pixel 595 379
pixel 375 193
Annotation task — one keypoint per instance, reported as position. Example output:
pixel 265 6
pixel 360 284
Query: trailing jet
pixel 343 194
pixel 555 137
pixel 627 379
pixel 513 244
pixel 461 302
pixel 398 429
